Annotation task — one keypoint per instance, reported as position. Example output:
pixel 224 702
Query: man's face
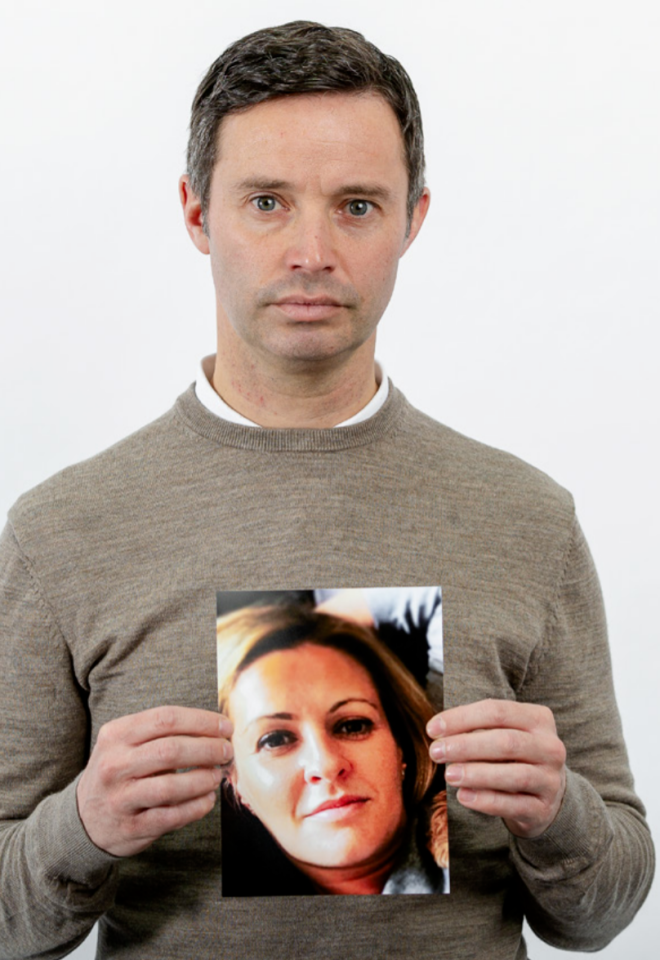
pixel 306 224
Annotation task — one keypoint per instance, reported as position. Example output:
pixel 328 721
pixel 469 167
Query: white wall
pixel 526 314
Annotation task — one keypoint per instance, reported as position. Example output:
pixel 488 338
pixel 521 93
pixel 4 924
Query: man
pixel 305 187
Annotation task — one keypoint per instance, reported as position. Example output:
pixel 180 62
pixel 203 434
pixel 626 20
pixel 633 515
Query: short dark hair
pixel 294 58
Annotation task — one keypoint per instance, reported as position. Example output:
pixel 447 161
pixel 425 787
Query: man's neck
pixel 304 395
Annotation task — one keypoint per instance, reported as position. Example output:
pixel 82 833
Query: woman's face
pixel 315 759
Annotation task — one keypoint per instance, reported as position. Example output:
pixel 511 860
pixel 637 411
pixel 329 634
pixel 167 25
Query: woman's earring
pixel 403 770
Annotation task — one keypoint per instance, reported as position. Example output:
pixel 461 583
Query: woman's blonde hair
pixel 250 633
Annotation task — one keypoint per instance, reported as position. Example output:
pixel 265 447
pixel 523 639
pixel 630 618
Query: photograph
pixel 300 297
pixel 331 789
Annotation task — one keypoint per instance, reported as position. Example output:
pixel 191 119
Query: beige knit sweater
pixel 108 576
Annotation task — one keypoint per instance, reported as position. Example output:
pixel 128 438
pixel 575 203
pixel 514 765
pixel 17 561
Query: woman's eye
pixel 265 204
pixel 355 727
pixel 275 739
pixel 359 208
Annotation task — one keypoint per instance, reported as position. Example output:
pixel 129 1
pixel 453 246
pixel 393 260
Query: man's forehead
pixel 353 136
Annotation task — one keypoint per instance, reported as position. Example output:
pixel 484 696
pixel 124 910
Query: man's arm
pixel 57 877
pixel 579 840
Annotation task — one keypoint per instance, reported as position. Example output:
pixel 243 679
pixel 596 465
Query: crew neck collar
pixel 208 396
pixel 195 416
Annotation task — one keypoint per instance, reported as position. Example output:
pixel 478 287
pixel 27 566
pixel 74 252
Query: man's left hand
pixel 506 760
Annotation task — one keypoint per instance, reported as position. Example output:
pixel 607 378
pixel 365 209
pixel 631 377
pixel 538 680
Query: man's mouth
pixel 301 307
pixel 312 301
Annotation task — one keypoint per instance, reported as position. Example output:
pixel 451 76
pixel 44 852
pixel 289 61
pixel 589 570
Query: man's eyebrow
pixel 373 191
pixel 369 191
pixel 262 183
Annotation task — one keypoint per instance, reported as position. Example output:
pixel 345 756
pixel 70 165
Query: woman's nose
pixel 322 759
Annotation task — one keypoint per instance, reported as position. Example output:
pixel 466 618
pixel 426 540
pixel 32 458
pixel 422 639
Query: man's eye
pixel 354 727
pixel 359 208
pixel 265 204
pixel 275 739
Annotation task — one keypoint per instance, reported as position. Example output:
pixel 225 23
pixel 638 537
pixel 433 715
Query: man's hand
pixel 130 793
pixel 506 759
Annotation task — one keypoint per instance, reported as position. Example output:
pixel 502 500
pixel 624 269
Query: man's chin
pixel 315 343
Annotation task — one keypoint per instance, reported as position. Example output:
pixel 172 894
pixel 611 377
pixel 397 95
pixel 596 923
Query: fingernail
pixel 228 752
pixel 465 795
pixel 438 750
pixel 218 774
pixel 454 774
pixel 436 727
pixel 226 727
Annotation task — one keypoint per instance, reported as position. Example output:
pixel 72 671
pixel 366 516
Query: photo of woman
pixel 331 790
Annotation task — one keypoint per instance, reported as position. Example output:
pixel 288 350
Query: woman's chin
pixel 347 849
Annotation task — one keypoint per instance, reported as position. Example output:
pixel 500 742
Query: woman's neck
pixel 368 878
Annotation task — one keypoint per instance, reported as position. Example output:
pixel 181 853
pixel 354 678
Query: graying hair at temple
pixel 296 58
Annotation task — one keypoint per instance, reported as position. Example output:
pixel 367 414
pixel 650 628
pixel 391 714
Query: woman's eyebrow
pixel 292 716
pixel 342 703
pixel 270 716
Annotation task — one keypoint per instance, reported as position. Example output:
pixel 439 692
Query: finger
pixel 149 825
pixel 525 815
pixel 499 745
pixel 175 753
pixel 169 789
pixel 160 756
pixel 165 721
pixel 522 778
pixel 491 714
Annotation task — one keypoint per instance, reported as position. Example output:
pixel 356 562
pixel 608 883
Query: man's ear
pixel 419 214
pixel 192 215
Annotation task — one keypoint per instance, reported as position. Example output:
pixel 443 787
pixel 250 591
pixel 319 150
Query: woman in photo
pixel 331 789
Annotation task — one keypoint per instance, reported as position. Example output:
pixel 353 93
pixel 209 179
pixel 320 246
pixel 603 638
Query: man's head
pixel 296 58
pixel 305 187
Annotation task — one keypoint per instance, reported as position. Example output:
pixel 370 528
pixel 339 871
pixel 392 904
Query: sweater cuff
pixel 63 858
pixel 578 838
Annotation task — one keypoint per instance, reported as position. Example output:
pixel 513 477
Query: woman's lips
pixel 338 809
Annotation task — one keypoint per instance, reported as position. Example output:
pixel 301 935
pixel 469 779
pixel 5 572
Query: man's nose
pixel 323 759
pixel 312 244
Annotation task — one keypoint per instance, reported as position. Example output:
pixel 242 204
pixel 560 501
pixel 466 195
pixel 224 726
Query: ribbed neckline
pixel 195 416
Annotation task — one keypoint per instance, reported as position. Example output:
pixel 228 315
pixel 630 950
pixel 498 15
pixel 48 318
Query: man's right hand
pixel 130 793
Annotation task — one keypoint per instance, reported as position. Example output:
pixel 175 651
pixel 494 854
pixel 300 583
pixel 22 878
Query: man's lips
pixel 338 808
pixel 312 301
pixel 301 307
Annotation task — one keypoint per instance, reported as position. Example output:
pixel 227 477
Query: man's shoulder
pixel 478 473
pixel 86 488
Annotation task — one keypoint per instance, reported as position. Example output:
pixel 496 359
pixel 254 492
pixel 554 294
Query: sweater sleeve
pixel 587 875
pixel 54 882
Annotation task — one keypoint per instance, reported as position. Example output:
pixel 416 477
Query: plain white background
pixel 526 314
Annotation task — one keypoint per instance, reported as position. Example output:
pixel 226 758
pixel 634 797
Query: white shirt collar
pixel 217 406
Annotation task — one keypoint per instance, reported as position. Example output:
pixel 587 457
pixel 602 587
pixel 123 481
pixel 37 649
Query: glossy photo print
pixel 331 789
